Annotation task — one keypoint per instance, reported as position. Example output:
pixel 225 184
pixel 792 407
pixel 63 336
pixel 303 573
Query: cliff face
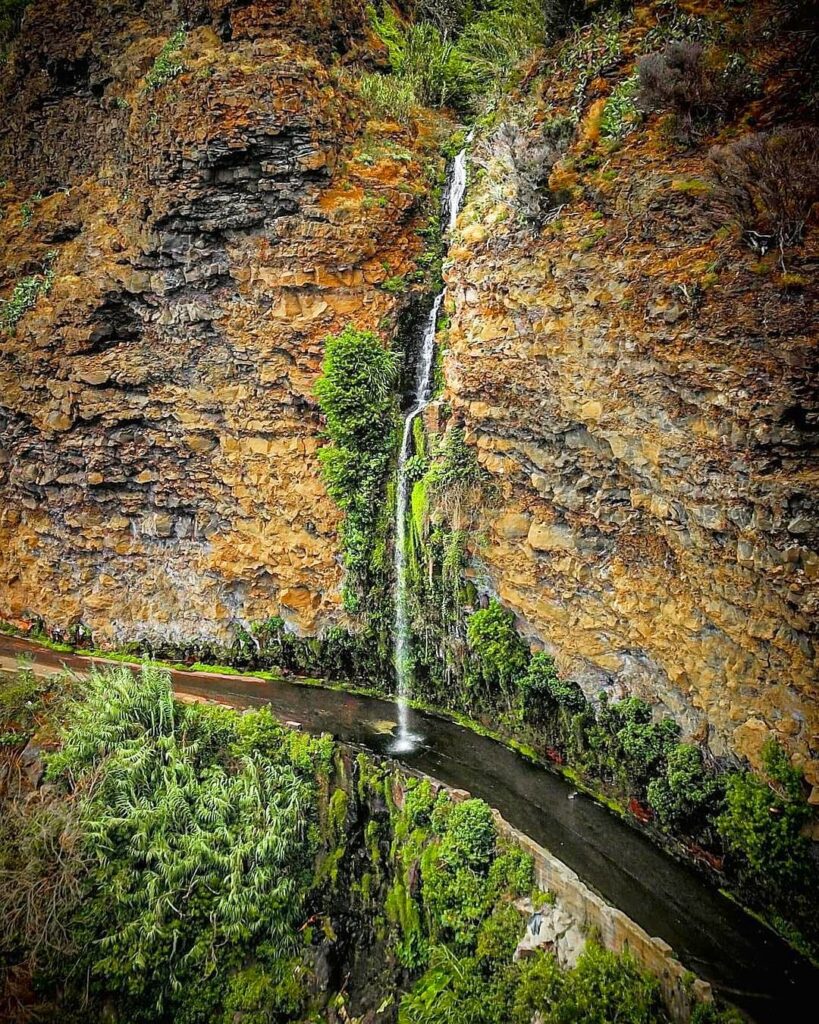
pixel 205 230
pixel 640 384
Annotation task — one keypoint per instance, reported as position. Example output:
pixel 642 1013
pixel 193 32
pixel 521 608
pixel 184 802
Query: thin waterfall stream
pixel 421 396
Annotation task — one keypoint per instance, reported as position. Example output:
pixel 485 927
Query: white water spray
pixel 421 394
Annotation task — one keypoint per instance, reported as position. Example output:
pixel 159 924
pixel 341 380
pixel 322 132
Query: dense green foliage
pixel 763 820
pixel 193 839
pixel 356 394
pixel 685 796
pixel 467 990
pixel 543 693
pixel 463 55
pixel 499 654
pixel 181 856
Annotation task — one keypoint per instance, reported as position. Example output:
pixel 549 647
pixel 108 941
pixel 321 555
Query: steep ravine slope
pixel 209 206
pixel 640 385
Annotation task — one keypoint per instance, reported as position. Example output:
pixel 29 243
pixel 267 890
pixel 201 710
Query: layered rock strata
pixel 641 388
pixel 157 422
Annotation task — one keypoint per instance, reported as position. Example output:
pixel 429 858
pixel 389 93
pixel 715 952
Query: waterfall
pixel 421 394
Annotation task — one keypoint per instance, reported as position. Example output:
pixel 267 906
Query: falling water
pixel 421 393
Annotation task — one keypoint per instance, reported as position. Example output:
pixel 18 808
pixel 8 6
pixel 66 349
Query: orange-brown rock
pixel 159 434
pixel 641 386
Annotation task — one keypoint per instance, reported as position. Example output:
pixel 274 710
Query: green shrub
pixel 538 987
pixel 498 653
pixel 169 64
pixel 499 934
pixel 642 744
pixel 543 692
pixel 25 296
pixel 418 805
pixel 685 797
pixel 601 989
pixel 453 990
pixel 605 987
pixel 709 1013
pixel 194 856
pixel 458 463
pixel 469 836
pixel 356 395
pixel 762 823
pixel 19 696
pixel 260 995
pixel 512 872
pixel 395 285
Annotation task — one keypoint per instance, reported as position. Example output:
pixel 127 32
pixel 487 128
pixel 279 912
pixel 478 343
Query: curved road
pixel 744 961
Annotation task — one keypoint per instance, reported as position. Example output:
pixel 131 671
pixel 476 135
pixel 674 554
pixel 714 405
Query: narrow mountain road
pixel 742 959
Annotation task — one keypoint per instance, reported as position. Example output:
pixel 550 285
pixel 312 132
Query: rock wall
pixel 639 383
pixel 157 426
pixel 641 387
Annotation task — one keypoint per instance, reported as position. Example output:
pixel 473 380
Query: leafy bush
pixel 697 88
pixel 25 296
pixel 685 797
pixel 456 468
pixel 605 987
pixel 602 988
pixel 453 990
pixel 18 695
pixel 543 692
pixel 169 64
pixel 762 823
pixel 642 743
pixel 498 653
pixel 469 836
pixel 198 840
pixel 463 876
pixel 499 934
pixel 710 1013
pixel 258 995
pixel 769 182
pixel 356 395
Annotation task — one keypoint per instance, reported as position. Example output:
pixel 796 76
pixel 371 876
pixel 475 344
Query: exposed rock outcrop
pixel 640 385
pixel 158 426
